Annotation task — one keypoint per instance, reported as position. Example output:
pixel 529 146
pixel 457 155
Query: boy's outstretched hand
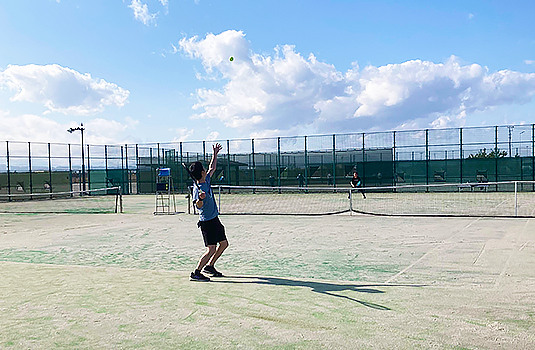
pixel 217 147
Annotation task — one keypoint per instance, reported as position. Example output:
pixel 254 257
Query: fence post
pixel 8 171
pixel 30 166
pixel 49 171
pixel 151 172
pixel 363 160
pixel 106 165
pixel 460 155
pixel 252 150
pixel 228 162
pixel 181 168
pixel 137 169
pixel 306 163
pixel 127 173
pixel 158 144
pixel 70 168
pixel 394 160
pixel 122 170
pixel 427 158
pixel 278 161
pixel 533 153
pixel 88 170
pixel 334 160
pixel 496 154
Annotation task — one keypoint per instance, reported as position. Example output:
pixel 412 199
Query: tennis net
pixel 96 201
pixel 489 199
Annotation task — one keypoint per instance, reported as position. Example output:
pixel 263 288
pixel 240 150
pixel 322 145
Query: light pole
pixel 81 128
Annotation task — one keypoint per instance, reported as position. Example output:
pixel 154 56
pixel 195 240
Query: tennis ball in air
pixel 231 58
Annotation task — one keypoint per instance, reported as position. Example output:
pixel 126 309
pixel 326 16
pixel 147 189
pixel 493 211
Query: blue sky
pixel 158 70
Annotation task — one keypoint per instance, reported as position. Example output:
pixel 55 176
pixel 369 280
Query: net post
pixel 516 198
pixel 219 196
pixel 188 196
pixel 350 202
pixel 116 201
pixel 120 199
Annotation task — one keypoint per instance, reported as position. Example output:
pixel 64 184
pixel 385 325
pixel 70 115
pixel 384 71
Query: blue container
pixel 164 172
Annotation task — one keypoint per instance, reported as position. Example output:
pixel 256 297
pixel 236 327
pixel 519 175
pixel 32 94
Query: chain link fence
pixel 456 155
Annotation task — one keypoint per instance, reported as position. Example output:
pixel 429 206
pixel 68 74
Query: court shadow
pixel 327 288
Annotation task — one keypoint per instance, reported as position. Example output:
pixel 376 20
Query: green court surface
pixel 120 281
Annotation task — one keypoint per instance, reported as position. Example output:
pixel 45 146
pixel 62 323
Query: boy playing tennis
pixel 356 182
pixel 213 232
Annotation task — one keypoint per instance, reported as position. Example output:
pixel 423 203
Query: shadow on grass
pixel 320 287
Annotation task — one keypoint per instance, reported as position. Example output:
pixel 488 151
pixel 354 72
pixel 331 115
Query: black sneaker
pixel 198 278
pixel 212 271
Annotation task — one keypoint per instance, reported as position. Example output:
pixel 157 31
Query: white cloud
pixel 212 136
pixel 131 122
pixel 529 62
pixel 182 134
pixel 141 12
pixel 470 16
pixel 62 89
pixel 34 128
pixel 291 94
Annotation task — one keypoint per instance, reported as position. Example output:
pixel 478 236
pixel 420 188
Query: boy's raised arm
pixel 213 163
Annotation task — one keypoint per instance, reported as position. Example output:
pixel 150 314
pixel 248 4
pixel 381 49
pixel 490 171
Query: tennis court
pixel 89 281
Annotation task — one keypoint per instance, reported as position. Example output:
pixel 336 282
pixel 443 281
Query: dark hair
pixel 196 170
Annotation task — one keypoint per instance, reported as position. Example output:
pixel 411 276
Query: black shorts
pixel 213 231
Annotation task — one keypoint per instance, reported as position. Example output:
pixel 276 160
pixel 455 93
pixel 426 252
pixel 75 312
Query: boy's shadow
pixel 320 287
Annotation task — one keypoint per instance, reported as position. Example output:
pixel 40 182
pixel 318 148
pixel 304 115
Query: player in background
pixel 356 182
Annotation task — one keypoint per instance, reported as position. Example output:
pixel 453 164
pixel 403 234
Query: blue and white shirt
pixel 208 211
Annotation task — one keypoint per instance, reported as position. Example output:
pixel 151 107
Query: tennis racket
pixel 192 177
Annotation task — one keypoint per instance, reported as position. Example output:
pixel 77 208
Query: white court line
pixel 430 251
pixel 480 252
